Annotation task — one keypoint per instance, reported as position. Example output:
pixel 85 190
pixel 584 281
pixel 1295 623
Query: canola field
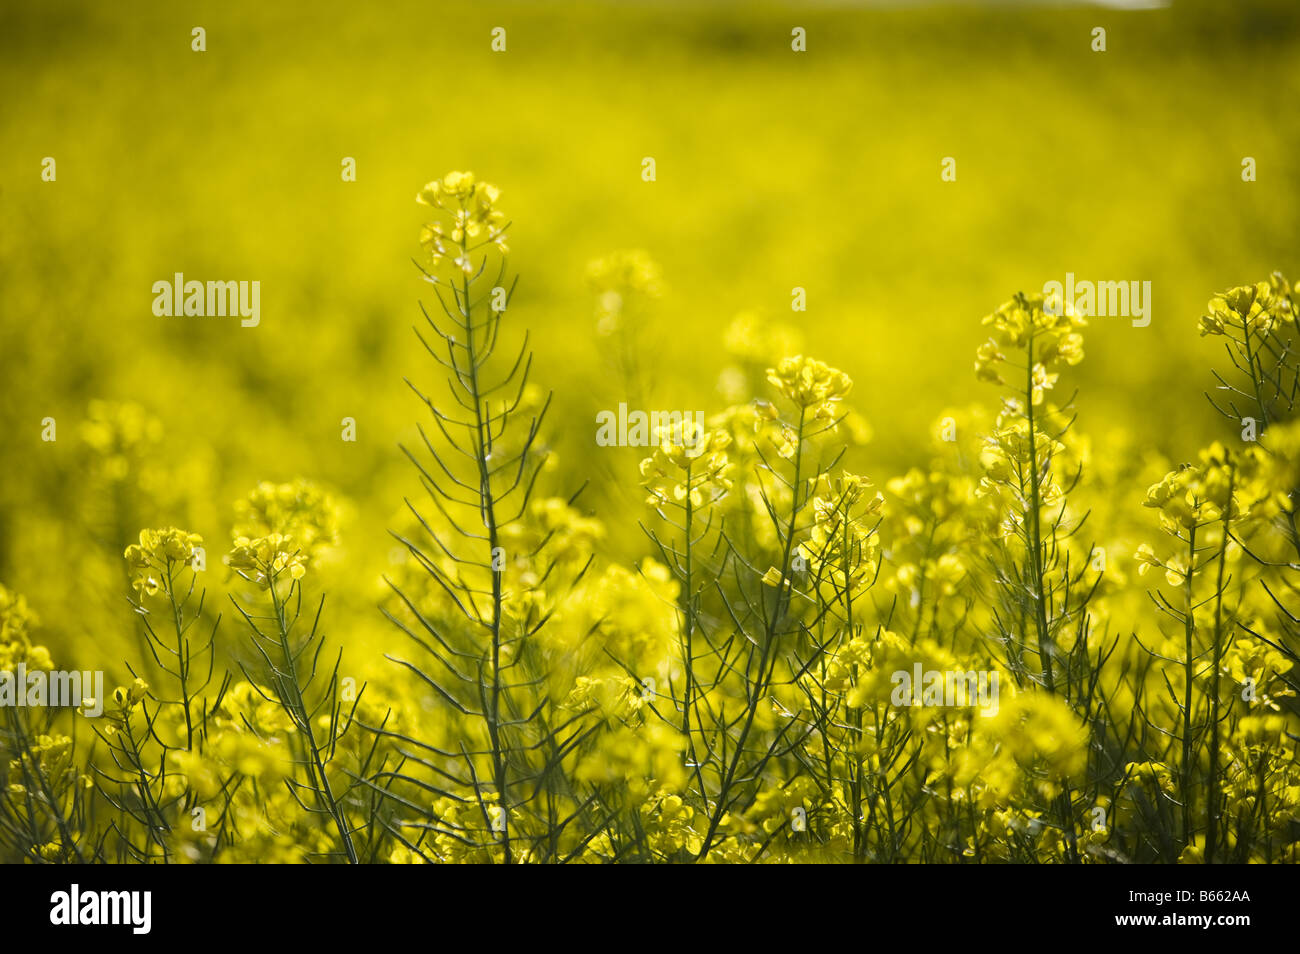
pixel 649 432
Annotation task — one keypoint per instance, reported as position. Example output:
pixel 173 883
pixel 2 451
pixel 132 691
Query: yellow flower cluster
pixel 1252 309
pixel 297 509
pixel 1045 331
pixel 261 560
pixel 474 219
pixel 688 468
pixel 1013 450
pixel 49 756
pixel 810 383
pixel 279 528
pixel 16 622
pixel 617 698
pixel 841 554
pixel 1236 484
pixel 153 561
pixel 1032 747
pixel 670 826
pixel 127 698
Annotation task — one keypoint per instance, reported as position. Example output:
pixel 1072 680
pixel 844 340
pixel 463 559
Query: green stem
pixel 488 503
pixel 778 612
pixel 1189 632
pixel 1064 801
pixel 298 710
pixel 1212 795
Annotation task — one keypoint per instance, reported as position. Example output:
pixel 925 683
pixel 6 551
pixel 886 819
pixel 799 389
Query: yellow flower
pixel 810 383
pixel 472 218
pixel 1031 323
pixel 840 551
pixel 153 560
pixel 128 697
pixel 686 467
pixel 263 559
pixel 16 622
pixel 1043 381
pixel 1249 309
pixel 298 509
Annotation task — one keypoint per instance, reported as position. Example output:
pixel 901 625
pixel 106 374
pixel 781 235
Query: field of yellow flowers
pixel 846 434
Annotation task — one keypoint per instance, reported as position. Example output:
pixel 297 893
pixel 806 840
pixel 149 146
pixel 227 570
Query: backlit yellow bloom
pixel 688 466
pixel 810 383
pixel 158 555
pixel 470 218
pixel 263 559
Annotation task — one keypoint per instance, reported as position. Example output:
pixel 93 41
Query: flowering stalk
pixel 491 587
pixel 156 563
pixel 267 561
pixel 1021 461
